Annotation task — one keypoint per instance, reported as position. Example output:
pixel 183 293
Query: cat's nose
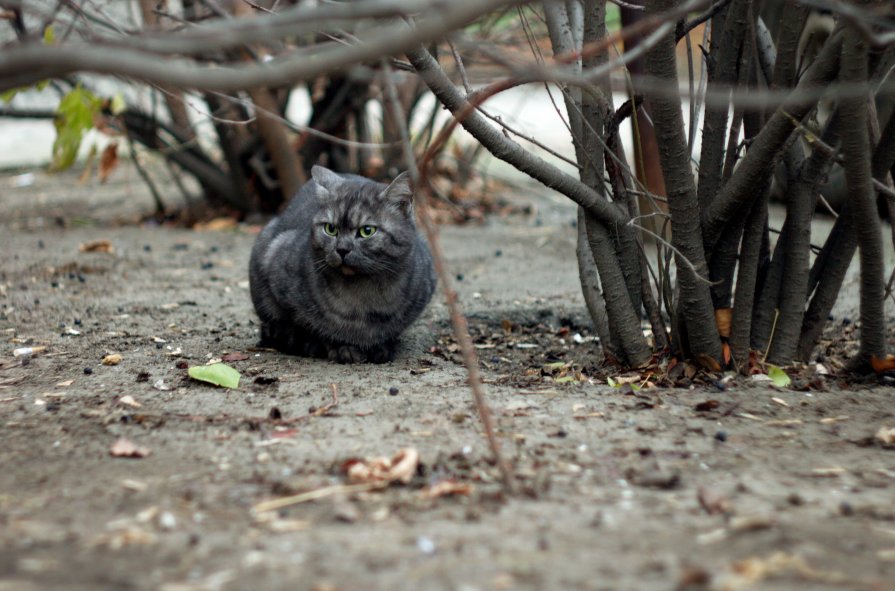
pixel 343 252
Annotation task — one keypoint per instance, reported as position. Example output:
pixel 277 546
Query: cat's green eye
pixel 330 229
pixel 366 231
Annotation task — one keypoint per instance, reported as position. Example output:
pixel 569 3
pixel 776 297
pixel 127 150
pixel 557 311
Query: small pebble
pixel 88 370
pixel 167 520
pixel 846 509
pixel 207 265
pixel 393 391
pixel 40 244
pixel 459 276
pixel 147 248
pixel 425 545
pixel 795 499
pixel 498 253
pixel 721 436
pixel 77 321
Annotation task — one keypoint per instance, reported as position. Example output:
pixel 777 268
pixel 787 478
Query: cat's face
pixel 361 228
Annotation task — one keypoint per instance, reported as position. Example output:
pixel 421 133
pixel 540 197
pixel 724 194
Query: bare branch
pixel 29 63
pixel 506 149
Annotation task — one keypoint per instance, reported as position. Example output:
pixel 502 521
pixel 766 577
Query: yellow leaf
pixel 49 35
pixel 117 105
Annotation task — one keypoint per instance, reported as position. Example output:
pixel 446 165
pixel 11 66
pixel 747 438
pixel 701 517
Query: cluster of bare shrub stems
pixel 771 114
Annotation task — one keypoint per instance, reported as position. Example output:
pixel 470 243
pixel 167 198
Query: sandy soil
pixel 661 489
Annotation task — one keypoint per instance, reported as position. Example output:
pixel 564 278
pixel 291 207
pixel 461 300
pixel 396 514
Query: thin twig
pixel 771 339
pixel 661 240
pixel 685 28
pixel 313 495
pixel 257 6
pixel 458 319
pixel 156 196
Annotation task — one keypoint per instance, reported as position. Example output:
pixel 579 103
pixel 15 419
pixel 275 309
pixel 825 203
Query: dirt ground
pixel 724 486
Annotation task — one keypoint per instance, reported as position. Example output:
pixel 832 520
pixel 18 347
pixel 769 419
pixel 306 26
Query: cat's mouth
pixel 337 263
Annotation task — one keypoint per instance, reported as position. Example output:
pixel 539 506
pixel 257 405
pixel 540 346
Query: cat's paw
pixel 382 353
pixel 347 354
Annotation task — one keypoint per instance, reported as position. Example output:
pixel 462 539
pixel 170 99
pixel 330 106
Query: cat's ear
pixel 400 192
pixel 325 178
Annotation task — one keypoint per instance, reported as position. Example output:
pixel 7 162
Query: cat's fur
pixel 344 297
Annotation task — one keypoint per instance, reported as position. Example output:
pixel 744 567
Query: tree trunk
pixel 686 234
pixel 855 149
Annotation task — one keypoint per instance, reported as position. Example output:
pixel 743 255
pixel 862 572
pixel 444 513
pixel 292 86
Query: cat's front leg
pixel 291 340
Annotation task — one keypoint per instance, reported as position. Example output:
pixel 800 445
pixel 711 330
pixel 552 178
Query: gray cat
pixel 343 271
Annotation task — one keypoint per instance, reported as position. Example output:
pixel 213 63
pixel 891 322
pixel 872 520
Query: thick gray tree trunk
pixel 686 233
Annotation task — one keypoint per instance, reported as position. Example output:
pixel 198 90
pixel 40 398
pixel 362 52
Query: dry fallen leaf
pixel 222 223
pixel 108 161
pixel 707 362
pixel 112 359
pixel 128 400
pixel 726 355
pixel 723 318
pixel 125 448
pixel 746 523
pixel 102 245
pixel 446 488
pixel 399 468
pixel 130 536
pixel 886 435
pixel 228 357
pixel 828 472
pixel 882 365
pixel 713 501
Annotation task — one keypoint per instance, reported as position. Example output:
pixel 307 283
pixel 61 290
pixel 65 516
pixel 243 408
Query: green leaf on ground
pixel 219 374
pixel 778 376
pixel 74 117
pixel 635 387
